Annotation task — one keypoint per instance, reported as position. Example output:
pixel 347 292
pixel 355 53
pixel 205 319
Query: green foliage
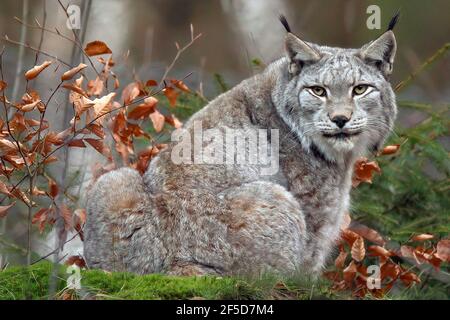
pixel 222 86
pixel 407 198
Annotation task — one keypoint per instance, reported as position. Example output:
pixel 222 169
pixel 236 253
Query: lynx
pixel 329 107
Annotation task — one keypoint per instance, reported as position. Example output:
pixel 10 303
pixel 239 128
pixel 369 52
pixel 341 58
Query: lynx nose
pixel 340 120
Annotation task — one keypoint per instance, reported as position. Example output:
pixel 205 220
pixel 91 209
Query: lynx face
pixel 339 100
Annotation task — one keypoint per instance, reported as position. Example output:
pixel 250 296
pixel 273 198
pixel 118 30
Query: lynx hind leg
pixel 267 231
pixel 115 211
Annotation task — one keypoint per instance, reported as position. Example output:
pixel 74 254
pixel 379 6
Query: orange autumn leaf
pixel 349 236
pixel 422 237
pixel 96 48
pixel 173 121
pixel 349 272
pixel 131 92
pixel 409 277
pixel 151 83
pixel 390 149
pixel 379 251
pixel 76 260
pixel 171 95
pixel 144 109
pixel 100 146
pixel 95 87
pixel 3 85
pixel 363 171
pixel 75 88
pixel 53 188
pixel 41 218
pixel 158 120
pixel 102 106
pixel 29 107
pixel 72 72
pixel 66 214
pixel 4 189
pixel 4 209
pixel 368 234
pixel 7 147
pixel 36 70
pixel 443 250
pixel 340 260
pixel 78 143
pixel 358 250
pixel 180 85
pixel 97 130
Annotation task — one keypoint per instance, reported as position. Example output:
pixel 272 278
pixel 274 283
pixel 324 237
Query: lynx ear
pixel 298 51
pixel 381 52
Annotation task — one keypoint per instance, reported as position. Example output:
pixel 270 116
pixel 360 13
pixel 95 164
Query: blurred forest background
pixel 238 38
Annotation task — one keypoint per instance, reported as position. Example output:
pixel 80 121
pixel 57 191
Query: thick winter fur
pixel 228 219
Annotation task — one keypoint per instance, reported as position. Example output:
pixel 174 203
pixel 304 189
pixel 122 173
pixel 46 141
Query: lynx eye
pixel 360 89
pixel 318 91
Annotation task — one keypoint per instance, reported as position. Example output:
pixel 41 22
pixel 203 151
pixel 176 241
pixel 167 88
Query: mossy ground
pixel 33 283
pixel 19 283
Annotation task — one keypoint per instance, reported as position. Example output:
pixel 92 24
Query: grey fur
pixel 229 219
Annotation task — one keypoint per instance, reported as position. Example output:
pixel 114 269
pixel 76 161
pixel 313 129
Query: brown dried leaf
pixel 78 143
pixel 408 278
pixel 7 147
pixel 75 88
pixel 173 121
pixel 422 237
pixel 53 189
pixel 180 85
pixel 443 250
pixel 66 214
pixel 171 95
pixel 131 92
pixel 358 250
pixel 368 233
pixel 4 189
pixel 4 209
pixel 379 251
pixel 41 218
pixel 151 83
pixel 72 72
pixel 158 120
pixel 95 48
pixel 390 149
pixel 363 171
pixel 76 260
pixel 95 87
pixel 143 110
pixel 3 85
pixel 340 260
pixel 100 146
pixel 35 71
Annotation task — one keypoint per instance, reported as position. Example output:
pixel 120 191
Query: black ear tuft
pixel 284 22
pixel 394 20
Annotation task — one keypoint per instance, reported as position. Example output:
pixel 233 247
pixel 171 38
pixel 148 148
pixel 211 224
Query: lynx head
pixel 338 101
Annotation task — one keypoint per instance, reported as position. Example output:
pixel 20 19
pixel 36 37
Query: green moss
pixel 32 283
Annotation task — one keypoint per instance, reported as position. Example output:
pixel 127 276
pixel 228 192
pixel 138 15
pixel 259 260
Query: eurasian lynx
pixel 329 105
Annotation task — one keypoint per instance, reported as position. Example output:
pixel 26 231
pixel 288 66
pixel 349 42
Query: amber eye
pixel 319 91
pixel 359 90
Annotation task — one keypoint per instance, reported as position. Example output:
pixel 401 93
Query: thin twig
pixel 179 52
pixel 21 55
pixel 26 45
pixel 441 51
pixel 78 41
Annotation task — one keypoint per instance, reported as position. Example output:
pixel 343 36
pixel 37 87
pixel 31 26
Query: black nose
pixel 340 121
